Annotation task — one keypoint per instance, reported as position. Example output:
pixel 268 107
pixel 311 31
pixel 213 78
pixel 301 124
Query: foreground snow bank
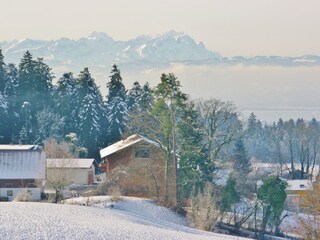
pixel 130 219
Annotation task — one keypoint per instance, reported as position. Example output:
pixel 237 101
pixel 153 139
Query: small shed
pixel 78 171
pixel 141 165
pixel 22 169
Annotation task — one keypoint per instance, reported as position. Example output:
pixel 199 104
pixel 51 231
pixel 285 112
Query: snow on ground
pixel 131 218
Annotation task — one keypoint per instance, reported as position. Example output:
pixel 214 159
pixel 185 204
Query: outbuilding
pixel 22 169
pixel 79 171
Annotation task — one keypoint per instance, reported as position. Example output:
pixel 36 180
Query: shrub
pixel 203 212
pixel 23 197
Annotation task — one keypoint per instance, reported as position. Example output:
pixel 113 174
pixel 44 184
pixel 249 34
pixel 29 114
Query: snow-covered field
pixel 131 218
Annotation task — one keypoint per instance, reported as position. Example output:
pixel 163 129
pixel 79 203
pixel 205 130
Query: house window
pixel 30 192
pixel 9 193
pixel 302 201
pixel 301 185
pixel 142 153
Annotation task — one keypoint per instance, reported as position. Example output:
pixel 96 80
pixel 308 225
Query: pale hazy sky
pixel 231 27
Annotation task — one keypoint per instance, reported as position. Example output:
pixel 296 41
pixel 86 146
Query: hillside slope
pixel 132 219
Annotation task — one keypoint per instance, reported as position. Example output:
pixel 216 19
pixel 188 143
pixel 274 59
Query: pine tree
pixel 11 83
pixel 117 109
pixel 240 157
pixel 11 131
pixel 35 83
pixel 66 101
pixel 146 99
pixel 192 167
pixel 2 73
pixel 230 196
pixel 90 113
pixel 134 95
pixel 4 117
pixel 169 92
pixel 115 85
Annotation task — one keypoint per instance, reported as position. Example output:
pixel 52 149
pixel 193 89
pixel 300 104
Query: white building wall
pixel 72 175
pixel 35 193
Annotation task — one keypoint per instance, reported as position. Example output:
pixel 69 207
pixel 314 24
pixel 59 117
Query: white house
pixel 74 171
pixel 22 169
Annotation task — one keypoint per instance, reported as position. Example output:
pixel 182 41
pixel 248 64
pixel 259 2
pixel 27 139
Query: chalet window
pixel 142 153
pixel 9 193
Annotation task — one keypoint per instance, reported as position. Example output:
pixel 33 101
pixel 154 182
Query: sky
pixel 232 27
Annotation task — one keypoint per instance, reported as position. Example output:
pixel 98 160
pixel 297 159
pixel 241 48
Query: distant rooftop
pixel 299 184
pixel 16 147
pixel 69 162
pixel 133 139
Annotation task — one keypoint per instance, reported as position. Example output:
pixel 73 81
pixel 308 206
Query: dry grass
pixel 203 213
pixel 23 197
pixel 115 195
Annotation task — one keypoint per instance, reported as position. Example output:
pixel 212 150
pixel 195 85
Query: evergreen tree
pixel 192 167
pixel 230 195
pixel 34 88
pixel 146 99
pixel 115 85
pixel 49 126
pixel 4 117
pixel 2 73
pixel 134 95
pixel 11 83
pixel 67 101
pixel 90 113
pixel 272 196
pixel 169 92
pixel 240 156
pixel 11 131
pixel 117 109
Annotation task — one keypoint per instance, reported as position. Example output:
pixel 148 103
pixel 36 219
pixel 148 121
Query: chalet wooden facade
pixel 22 169
pixel 141 165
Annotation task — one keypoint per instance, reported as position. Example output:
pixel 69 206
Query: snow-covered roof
pixel 12 147
pixel 26 164
pixel 69 162
pixel 133 139
pixel 299 184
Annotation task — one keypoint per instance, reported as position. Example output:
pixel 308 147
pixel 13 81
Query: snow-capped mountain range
pixel 100 51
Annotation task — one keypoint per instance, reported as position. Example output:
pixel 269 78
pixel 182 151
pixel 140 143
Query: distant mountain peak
pixel 99 36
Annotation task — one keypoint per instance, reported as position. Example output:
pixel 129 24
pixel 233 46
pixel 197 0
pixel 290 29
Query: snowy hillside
pixel 131 219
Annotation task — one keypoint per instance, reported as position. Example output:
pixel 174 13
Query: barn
pixel 74 171
pixel 22 169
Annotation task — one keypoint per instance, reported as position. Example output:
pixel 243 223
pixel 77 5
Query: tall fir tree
pixel 169 92
pixel 66 101
pixel 134 95
pixel 2 73
pixel 4 117
pixel 117 109
pixel 192 161
pixel 91 111
pixel 34 89
pixel 12 124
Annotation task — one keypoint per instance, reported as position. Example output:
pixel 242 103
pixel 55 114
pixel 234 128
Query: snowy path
pixel 51 221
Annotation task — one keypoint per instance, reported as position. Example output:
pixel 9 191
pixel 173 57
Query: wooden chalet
pixel 140 164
